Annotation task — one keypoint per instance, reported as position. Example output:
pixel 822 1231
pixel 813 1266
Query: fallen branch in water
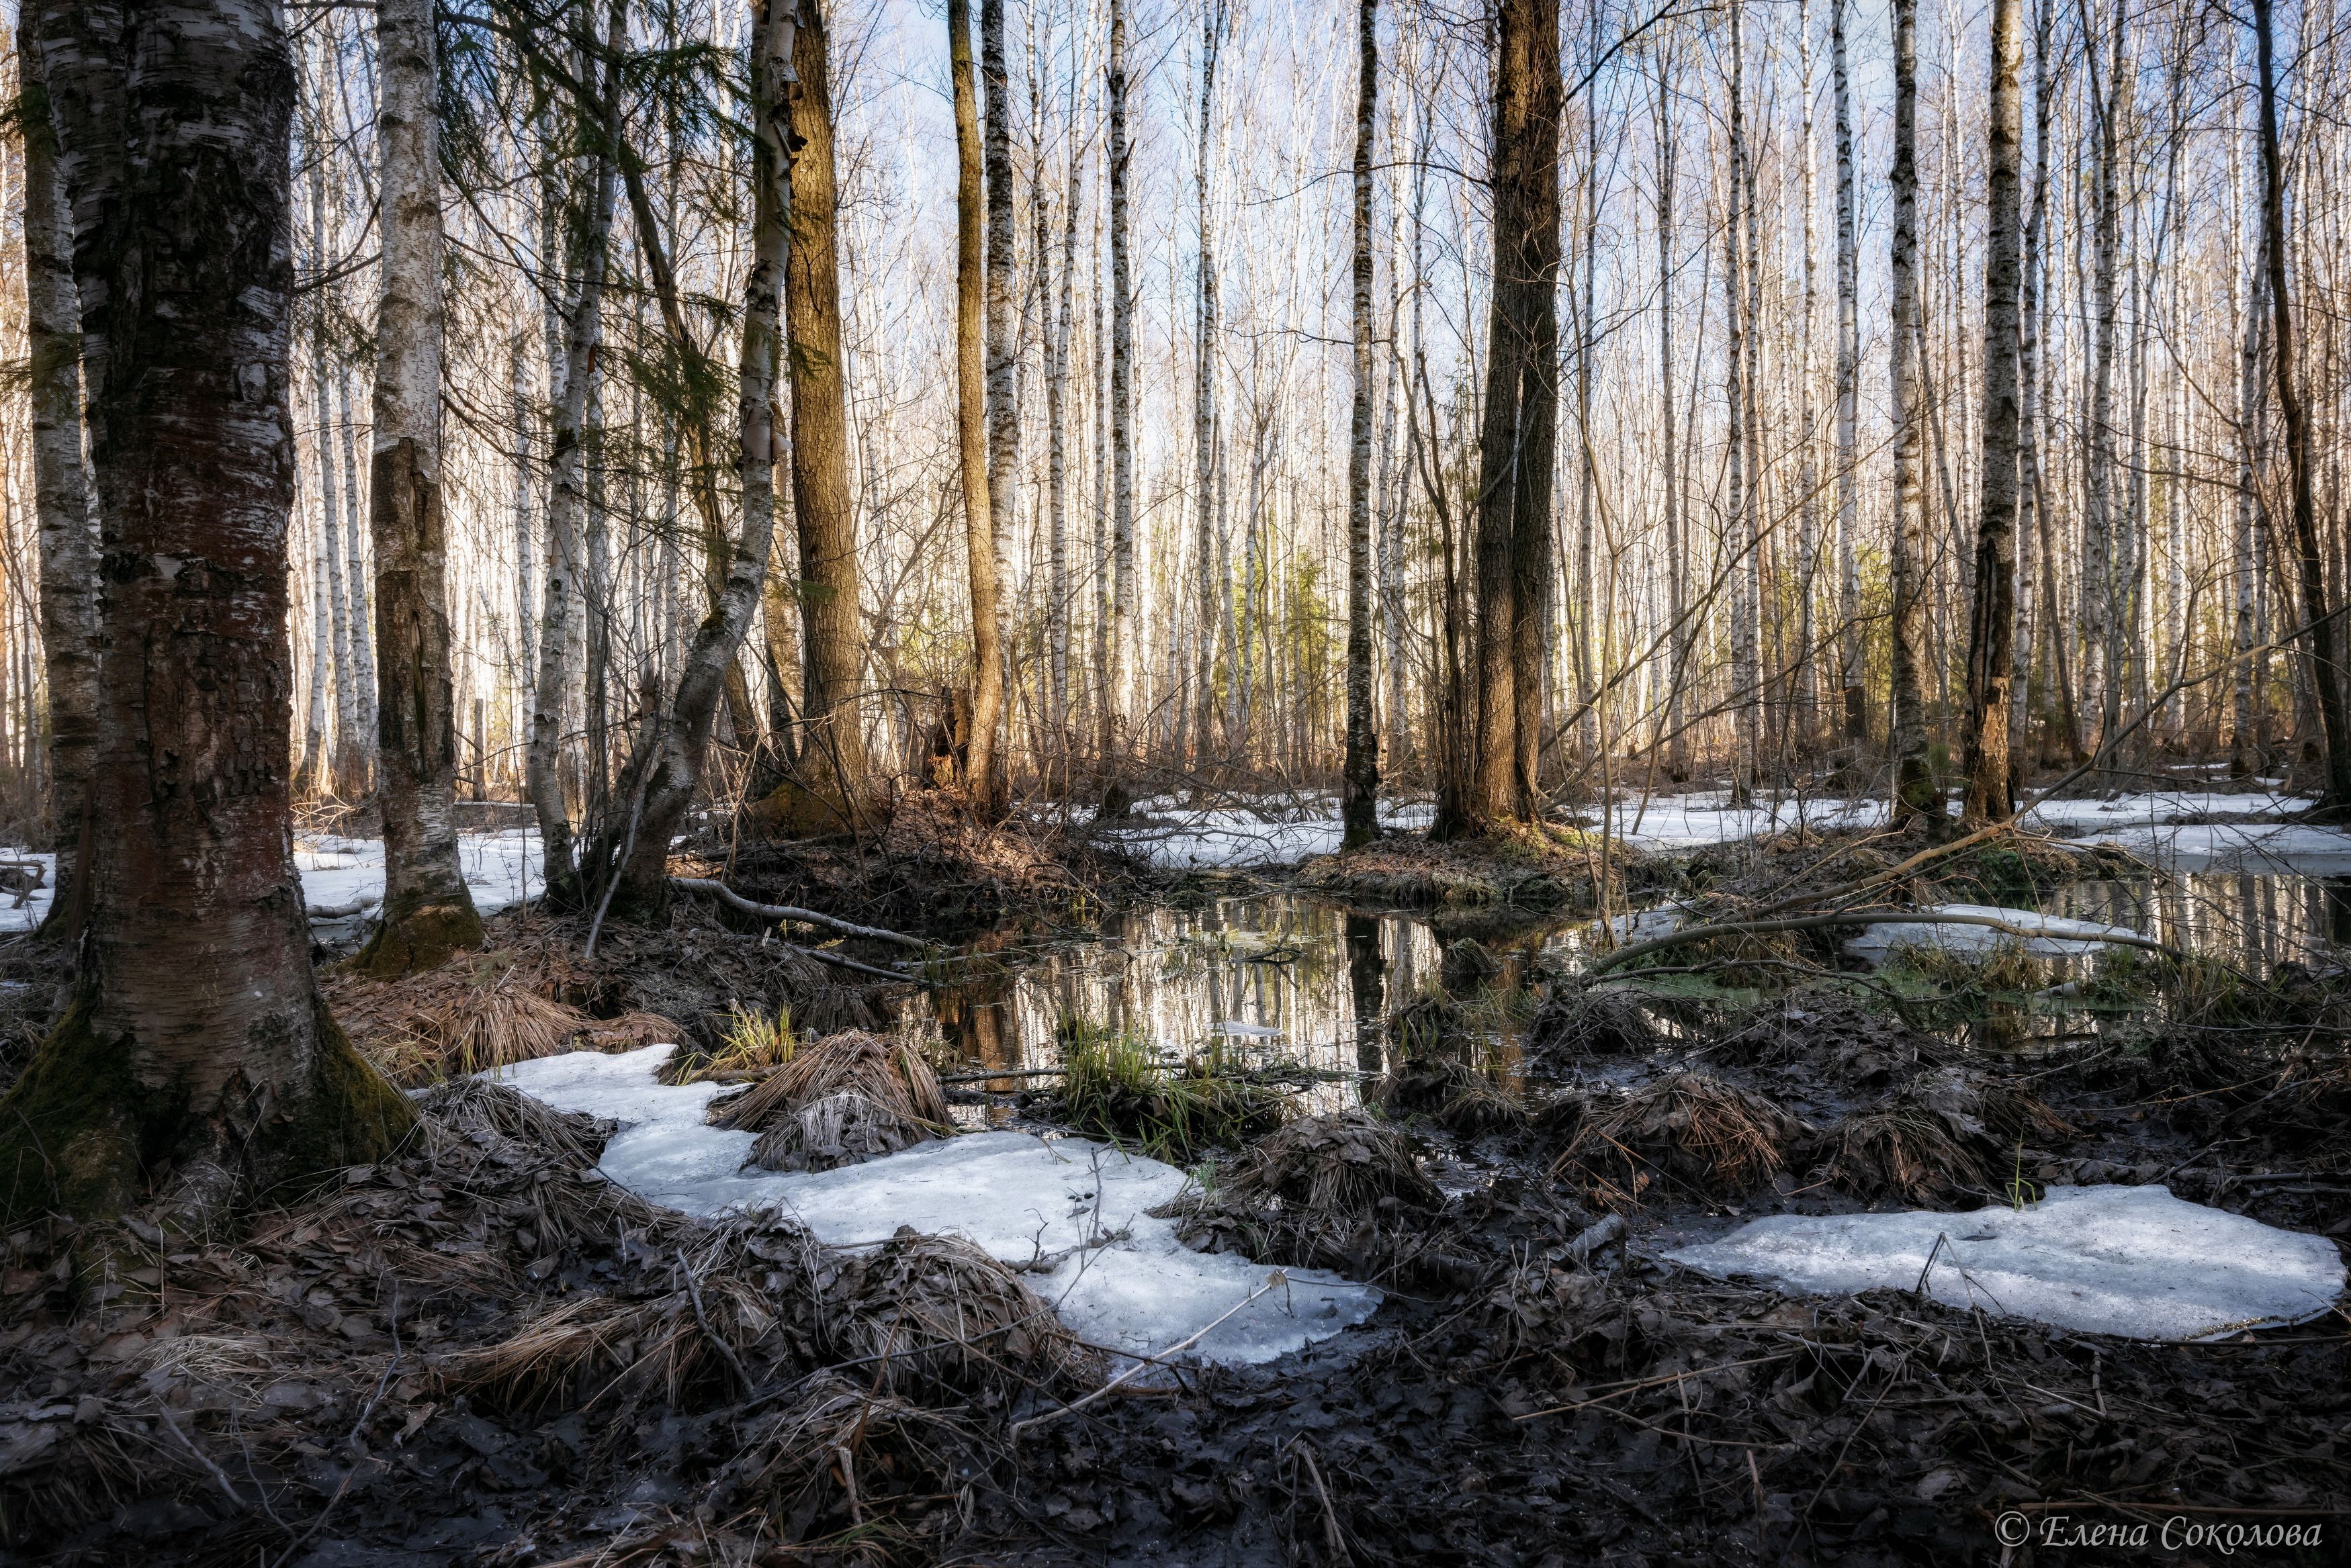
pixel 793 912
pixel 1876 918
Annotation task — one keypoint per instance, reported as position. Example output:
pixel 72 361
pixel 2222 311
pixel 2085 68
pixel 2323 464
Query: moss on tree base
pixel 421 939
pixel 81 1135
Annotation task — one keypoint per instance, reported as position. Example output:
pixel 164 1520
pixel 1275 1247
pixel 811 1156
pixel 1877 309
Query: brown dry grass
pixel 838 1101
pixel 1345 1164
pixel 478 1012
pixel 937 1307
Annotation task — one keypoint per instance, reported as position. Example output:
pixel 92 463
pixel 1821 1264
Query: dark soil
pixel 484 1354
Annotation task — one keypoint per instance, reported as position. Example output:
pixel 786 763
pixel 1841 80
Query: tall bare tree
pixel 1360 796
pixel 2325 674
pixel 1118 695
pixel 1519 426
pixel 1992 627
pixel 1916 797
pixel 990 764
pixel 1848 398
pixel 975 373
pixel 832 749
pixel 428 911
pixel 161 1081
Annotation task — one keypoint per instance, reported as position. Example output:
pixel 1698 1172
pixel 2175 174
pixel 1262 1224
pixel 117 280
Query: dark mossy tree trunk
pixel 1512 510
pixel 61 499
pixel 832 748
pixel 428 912
pixel 1991 658
pixel 627 866
pixel 197 1064
pixel 1361 799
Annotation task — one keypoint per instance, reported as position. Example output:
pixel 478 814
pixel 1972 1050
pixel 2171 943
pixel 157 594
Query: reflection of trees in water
pixel 1271 977
pixel 2253 920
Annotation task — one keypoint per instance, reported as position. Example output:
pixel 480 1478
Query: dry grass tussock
pixel 1949 1134
pixel 1340 1191
pixel 477 1013
pixel 937 1308
pixel 838 1101
pixel 1590 1023
pixel 1709 1137
pixel 1114 1085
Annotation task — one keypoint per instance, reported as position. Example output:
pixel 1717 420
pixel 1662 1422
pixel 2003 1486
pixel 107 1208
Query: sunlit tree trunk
pixel 1991 646
pixel 1208 577
pixel 2032 525
pixel 1738 235
pixel 1519 424
pixel 1060 339
pixel 976 375
pixel 427 910
pixel 62 497
pixel 832 749
pixel 992 760
pixel 1915 796
pixel 159 1075
pixel 1360 800
pixel 2101 679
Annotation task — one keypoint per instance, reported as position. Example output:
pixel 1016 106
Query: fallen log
pixel 792 912
pixel 1874 918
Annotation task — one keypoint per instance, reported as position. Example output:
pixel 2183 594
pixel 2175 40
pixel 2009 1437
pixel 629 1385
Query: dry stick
pixel 792 912
pixel 1655 1383
pixel 1274 1280
pixel 1874 917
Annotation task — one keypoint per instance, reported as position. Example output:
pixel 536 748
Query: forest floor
pixel 488 1352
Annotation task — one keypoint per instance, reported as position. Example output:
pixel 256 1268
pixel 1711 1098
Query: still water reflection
pixel 1294 979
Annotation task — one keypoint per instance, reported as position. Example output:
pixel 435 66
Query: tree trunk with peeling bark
pixel 428 912
pixel 161 1082
pixel 1117 696
pixel 1990 651
pixel 989 763
pixel 1915 797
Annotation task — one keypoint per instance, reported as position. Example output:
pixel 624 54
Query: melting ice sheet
pixel 2128 1261
pixel 1020 1197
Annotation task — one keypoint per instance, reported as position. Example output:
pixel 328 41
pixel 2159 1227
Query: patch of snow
pixel 342 879
pixel 2128 1261
pixel 1702 817
pixel 1975 941
pixel 1125 1280
pixel 2153 807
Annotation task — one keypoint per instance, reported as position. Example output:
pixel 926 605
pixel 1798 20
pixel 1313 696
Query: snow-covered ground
pixel 2129 1261
pixel 1122 1279
pixel 342 879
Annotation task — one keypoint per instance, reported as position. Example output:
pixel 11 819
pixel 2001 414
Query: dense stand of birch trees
pixel 1181 394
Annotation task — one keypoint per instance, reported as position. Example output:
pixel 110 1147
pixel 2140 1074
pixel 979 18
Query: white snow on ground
pixel 1126 1282
pixel 342 879
pixel 2128 1261
pixel 1971 941
pixel 1692 821
pixel 2290 849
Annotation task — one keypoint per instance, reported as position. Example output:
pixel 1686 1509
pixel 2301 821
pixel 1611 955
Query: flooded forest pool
pixel 1280 978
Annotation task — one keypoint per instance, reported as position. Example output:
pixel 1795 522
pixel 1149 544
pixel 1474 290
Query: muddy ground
pixel 484 1354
